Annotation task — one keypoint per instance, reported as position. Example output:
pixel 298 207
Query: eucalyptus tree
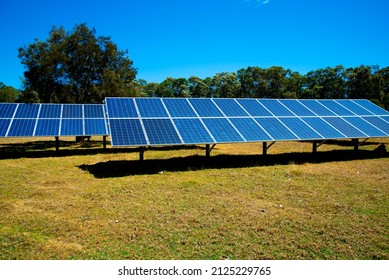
pixel 77 67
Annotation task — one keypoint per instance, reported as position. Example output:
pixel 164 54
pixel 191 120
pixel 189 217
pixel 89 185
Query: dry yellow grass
pixel 87 203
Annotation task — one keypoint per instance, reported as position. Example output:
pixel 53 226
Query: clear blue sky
pixel 180 38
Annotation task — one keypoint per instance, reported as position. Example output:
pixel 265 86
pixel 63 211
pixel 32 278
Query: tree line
pixel 79 67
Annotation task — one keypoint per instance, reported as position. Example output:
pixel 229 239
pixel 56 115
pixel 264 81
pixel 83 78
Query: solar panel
pixel 4 124
pixel 253 107
pixel 250 129
pixel 354 107
pixel 151 108
pixel 230 107
pixel 205 107
pixel 72 111
pixel 317 108
pixel 27 111
pixel 276 129
pixel 179 107
pixel 322 127
pixel 336 108
pixel 50 111
pixel 71 127
pixel 371 107
pixel 297 107
pixel 222 130
pixel 22 127
pixel 7 110
pixel 94 111
pixel 95 127
pixel 301 129
pixel 161 132
pixel 275 107
pixel 365 127
pixel 378 123
pixel 346 128
pixel 121 107
pixel 47 127
pixel 127 132
pixel 193 131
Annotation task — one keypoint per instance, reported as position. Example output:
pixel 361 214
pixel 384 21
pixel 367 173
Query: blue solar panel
pixel 346 128
pixel 336 108
pixel 222 130
pixel 121 107
pixel 371 107
pixel 276 129
pixel 151 108
pixel 253 107
pixel 95 127
pixel 301 129
pixel 47 127
pixel 50 111
pixel 250 130
pixel 161 132
pixel 354 107
pixel 22 127
pixel 4 124
pixel 205 107
pixel 94 111
pixel 275 107
pixel 192 131
pixel 7 110
pixel 230 107
pixel 365 127
pixel 325 130
pixel 127 132
pixel 379 123
pixel 27 111
pixel 317 108
pixel 71 111
pixel 297 108
pixel 71 127
pixel 179 107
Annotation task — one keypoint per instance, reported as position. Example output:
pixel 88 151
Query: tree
pixel 197 87
pixel 172 87
pixel 8 93
pixel 327 83
pixel 77 67
pixel 225 85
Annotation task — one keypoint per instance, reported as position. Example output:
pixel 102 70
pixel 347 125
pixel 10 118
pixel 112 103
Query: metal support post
pixel 208 149
pixel 141 153
pixel 57 144
pixel 104 142
pixel 356 143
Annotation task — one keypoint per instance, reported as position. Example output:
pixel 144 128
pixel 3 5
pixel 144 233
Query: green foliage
pixel 8 93
pixel 77 67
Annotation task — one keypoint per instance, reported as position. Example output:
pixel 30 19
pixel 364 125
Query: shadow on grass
pixel 44 149
pixel 122 168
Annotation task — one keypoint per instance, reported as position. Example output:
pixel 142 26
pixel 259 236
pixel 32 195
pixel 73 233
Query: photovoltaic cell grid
pixel 175 121
pixel 29 120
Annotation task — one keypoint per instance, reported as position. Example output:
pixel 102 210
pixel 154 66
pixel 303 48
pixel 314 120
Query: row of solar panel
pixel 51 111
pixel 206 107
pixel 26 120
pixel 138 132
pixel 168 121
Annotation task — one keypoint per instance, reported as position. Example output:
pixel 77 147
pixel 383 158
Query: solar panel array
pixel 28 120
pixel 176 121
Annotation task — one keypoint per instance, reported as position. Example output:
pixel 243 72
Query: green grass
pixel 86 203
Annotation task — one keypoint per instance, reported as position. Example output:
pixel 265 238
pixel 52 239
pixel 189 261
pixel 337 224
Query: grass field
pixel 87 203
